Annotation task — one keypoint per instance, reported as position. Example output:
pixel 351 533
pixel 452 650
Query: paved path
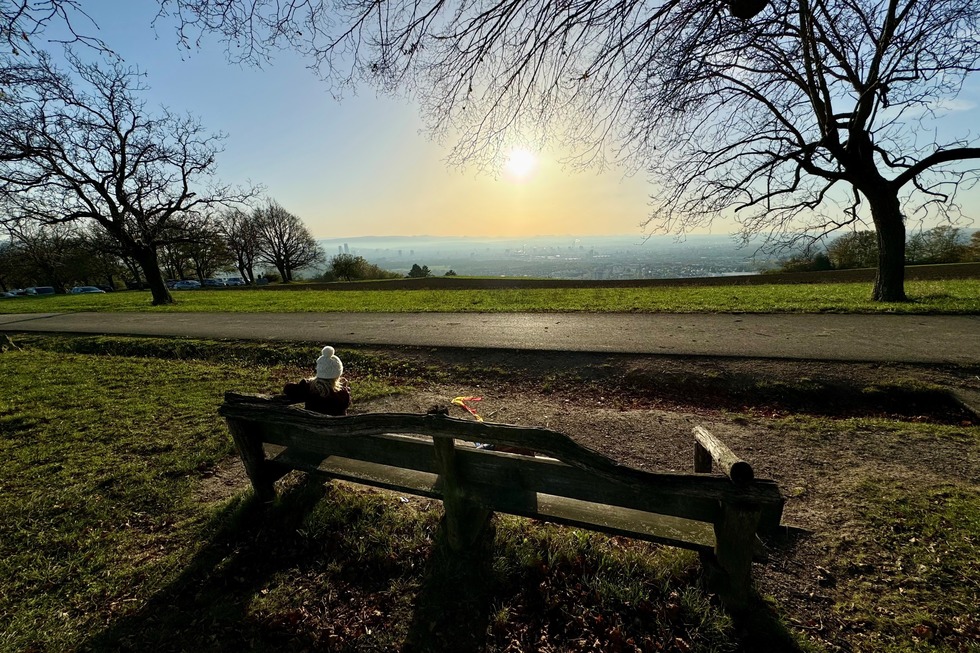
pixel 885 338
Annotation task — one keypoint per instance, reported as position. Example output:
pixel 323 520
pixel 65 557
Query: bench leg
pixel 253 457
pixel 464 520
pixel 734 542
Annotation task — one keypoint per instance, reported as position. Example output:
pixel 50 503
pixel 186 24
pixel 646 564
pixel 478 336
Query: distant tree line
pixel 859 249
pixel 37 253
pixel 95 186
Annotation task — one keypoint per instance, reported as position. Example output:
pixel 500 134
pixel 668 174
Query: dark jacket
pixel 336 403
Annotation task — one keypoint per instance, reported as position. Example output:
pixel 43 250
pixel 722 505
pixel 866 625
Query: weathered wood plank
pixel 250 449
pixel 734 467
pixel 301 428
pixel 545 441
pixel 648 526
pixel 464 519
pixel 359 471
pixel 734 542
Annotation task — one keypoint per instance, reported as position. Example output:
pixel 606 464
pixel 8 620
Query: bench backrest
pixel 572 484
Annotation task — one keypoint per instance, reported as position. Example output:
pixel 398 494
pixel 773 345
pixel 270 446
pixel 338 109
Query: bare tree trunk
pixel 147 259
pixel 886 211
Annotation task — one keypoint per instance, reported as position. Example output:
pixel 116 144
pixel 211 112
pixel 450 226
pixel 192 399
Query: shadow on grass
pixel 452 609
pixel 256 546
pixel 445 604
pixel 205 607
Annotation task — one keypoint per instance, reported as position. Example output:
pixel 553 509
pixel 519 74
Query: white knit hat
pixel 328 366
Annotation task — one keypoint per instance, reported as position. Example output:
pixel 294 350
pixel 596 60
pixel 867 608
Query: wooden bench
pixel 721 517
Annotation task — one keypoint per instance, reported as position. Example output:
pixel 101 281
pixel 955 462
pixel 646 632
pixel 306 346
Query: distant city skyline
pixel 361 166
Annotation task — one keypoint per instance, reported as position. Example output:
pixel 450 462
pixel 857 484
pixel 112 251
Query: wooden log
pixel 734 467
pixel 682 495
pixel 464 519
pixel 252 453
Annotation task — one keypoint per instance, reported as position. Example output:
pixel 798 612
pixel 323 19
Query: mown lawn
pixel 939 297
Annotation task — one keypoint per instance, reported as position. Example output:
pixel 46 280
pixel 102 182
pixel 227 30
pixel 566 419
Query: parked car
pixel 234 281
pixel 85 290
pixel 214 283
pixel 40 291
pixel 6 295
pixel 187 284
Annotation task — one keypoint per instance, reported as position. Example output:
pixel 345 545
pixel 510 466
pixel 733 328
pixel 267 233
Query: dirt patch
pixel 221 482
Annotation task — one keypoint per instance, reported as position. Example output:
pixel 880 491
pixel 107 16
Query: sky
pixel 362 166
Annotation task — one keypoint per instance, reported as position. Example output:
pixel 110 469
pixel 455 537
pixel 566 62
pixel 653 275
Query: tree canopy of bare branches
pixel 793 117
pixel 84 148
pixel 284 241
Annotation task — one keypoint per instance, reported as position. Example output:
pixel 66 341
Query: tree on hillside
pixel 942 244
pixel 796 123
pixel 47 250
pixel 85 148
pixel 11 265
pixel 858 249
pixel 972 250
pixel 207 249
pixel 110 251
pixel 284 242
pixel 241 234
pixel 419 272
pixel 347 266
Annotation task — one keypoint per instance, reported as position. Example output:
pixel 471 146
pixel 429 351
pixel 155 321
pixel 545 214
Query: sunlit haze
pixel 362 166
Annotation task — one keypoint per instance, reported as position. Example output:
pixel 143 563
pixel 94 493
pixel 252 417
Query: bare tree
pixel 241 234
pixel 90 151
pixel 284 241
pixel 208 249
pixel 49 249
pixel 22 22
pixel 795 123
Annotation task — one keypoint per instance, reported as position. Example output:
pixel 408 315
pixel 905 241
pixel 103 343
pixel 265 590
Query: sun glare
pixel 521 163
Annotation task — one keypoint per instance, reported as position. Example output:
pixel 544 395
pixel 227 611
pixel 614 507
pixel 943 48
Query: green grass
pixel 916 571
pixel 946 297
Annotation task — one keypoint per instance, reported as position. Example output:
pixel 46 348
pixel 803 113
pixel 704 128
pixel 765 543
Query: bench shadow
pixel 205 607
pixel 760 627
pixel 453 606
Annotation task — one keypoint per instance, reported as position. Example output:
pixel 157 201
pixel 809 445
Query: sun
pixel 521 163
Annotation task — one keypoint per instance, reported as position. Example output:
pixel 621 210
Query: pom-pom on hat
pixel 328 366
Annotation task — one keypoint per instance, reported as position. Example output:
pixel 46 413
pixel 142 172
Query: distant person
pixel 327 392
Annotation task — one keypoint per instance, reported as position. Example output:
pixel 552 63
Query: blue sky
pixel 362 166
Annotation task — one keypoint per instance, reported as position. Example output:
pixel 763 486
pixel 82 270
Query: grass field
pixel 935 297
pixel 114 536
